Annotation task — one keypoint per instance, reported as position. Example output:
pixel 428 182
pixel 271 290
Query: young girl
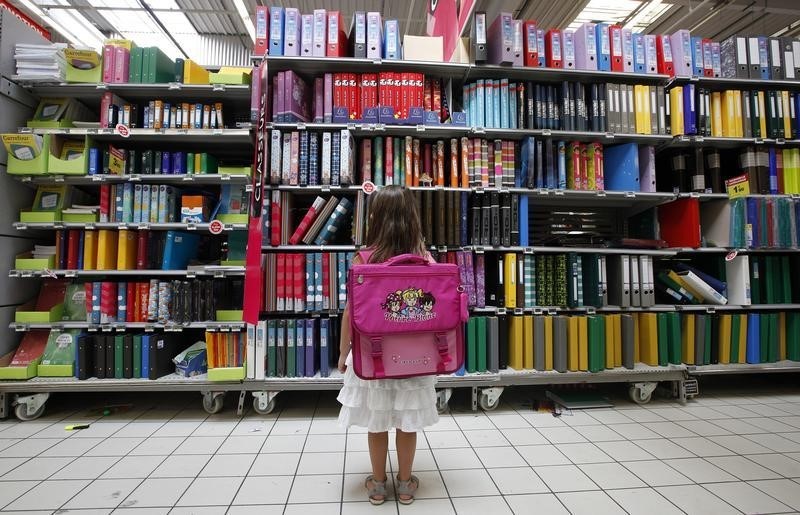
pixel 407 405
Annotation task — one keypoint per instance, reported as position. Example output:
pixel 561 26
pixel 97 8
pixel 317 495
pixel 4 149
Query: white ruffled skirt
pixel 383 404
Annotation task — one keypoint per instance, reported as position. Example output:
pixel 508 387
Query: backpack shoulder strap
pixel 364 255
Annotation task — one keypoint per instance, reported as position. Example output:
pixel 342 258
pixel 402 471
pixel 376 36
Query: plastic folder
pixel 681 46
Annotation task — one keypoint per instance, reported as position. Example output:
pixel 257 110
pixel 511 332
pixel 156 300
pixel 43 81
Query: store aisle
pixel 726 452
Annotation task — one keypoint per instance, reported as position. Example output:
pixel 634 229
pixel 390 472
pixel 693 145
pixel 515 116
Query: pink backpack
pixel 407 317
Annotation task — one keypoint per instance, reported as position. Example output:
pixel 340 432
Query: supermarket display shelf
pixel 198 178
pixel 211 271
pixel 744 368
pixel 124 326
pixel 141 226
pixel 241 136
pixel 732 82
pixel 91 92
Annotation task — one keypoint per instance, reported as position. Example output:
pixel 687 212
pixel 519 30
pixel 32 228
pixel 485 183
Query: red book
pixel 427 160
pixel 530 43
pixel 105 202
pixel 275 219
pixel 338 90
pixel 87 290
pixel 307 220
pixel 326 278
pixel 366 160
pixel 131 302
pixel 299 281
pixel 437 96
pixel 680 222
pixel 288 281
pixel 280 282
pixel 73 244
pixel 108 302
pixel 108 64
pixel 142 241
pixel 615 39
pixel 144 300
pixel 30 348
pixel 353 92
pixel 553 50
pixel 51 293
pixel 419 84
pixel 388 160
pixel 427 94
pixel 666 64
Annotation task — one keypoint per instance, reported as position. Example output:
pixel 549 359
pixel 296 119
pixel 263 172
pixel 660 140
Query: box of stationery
pixel 48 204
pixel 24 361
pixel 48 307
pixel 83 66
pixel 28 154
pixel 42 258
pixel 69 156
pixel 192 361
pixel 235 170
pixel 80 213
pixel 58 359
pixel 229 315
pixel 56 113
pixel 233 204
pixel 225 354
pixel 230 75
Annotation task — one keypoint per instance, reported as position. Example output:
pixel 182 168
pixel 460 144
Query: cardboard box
pixel 423 48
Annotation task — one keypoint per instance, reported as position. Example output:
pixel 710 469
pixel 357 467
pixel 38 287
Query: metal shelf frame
pixel 139 226
pixel 99 179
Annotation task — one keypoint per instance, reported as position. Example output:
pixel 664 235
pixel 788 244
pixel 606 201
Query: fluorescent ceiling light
pixel 651 12
pixel 69 23
pixel 248 23
pixel 616 11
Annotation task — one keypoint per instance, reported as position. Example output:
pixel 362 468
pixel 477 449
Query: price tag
pixel 738 186
pixel 191 227
pixel 301 126
pixel 780 141
pixel 218 87
pixel 630 194
pixel 97 178
pixel 501 311
pixel 216 227
pixel 216 132
pixel 609 135
pixel 174 85
pixel 143 226
pixel 420 128
pixel 134 178
pixel 479 130
pixel 731 255
pixel 699 139
pixel 368 187
pixel 546 132
pixel 122 130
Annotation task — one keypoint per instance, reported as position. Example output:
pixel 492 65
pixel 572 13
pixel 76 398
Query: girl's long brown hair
pixel 394 226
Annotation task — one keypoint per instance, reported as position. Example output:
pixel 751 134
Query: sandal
pixel 407 489
pixel 376 493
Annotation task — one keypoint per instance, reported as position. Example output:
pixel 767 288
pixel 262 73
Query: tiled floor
pixel 729 451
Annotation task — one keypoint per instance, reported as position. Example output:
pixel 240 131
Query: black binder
pixel 109 343
pixel 127 356
pixel 84 366
pixel 99 343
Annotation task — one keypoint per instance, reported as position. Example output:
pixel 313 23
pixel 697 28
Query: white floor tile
pixel 634 431
pixel 325 443
pixel 37 469
pixel 775 442
pixel 48 495
pixel 590 503
pixel 139 429
pixel 427 507
pixel 86 468
pixel 291 427
pixel 656 473
pixel 115 446
pixel 742 444
pixel 703 447
pixel 157 492
pixel 669 429
pixel 451 459
pixel 441 440
pixel 71 447
pixel 746 498
pixel 262 509
pixel 783 490
pixel 198 510
pixel 103 493
pixel 779 463
pixel 132 467
pixel 208 491
pixel 215 428
pixel 481 505
pixel 538 420
pixel 643 501
pixel 264 490
pixel 792 420
pixel 499 457
pixel 100 430
pixel 543 503
pixel 26 429
pixel 675 414
pixel 200 445
pixel 522 480
pixel 181 466
pixel 158 446
pixel 559 435
pixel 695 500
pixel 509 421
pixel 743 467
pixel 599 433
pixel 472 421
pixel 468 483
pixel 486 438
pixel 317 488
pixel 624 451
pixel 321 463
pixel 431 485
pixel 356 440
pixel 610 416
pixel 701 471
pixel 579 418
pixel 228 465
pixel 643 415
pixel 242 444
pixel 7 464
pixel 5 443
pixel 286 443
pixel 579 453
pixel 524 436
pixel 542 455
pixel 703 428
pixel 279 464
pixel 253 427
pixel 178 428
pixel 10 490
pixel 737 426
pixel 565 478
pixel 611 475
pixel 365 508
pixel 771 425
pixel 663 449
pixel 312 509
pixel 767 410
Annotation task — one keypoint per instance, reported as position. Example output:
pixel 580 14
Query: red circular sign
pixel 368 187
pixel 216 227
pixel 731 255
pixel 123 130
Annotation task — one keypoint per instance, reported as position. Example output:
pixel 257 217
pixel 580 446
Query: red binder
pixel 299 281
pixel 73 244
pixel 108 302
pixel 530 43
pixel 617 55
pixel 337 39
pixel 280 281
pixel 664 55
pixel 680 223
pixel 131 312
pixel 141 250
pixel 553 49
pixel 708 65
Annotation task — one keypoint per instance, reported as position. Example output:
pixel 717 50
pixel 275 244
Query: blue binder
pixel 300 348
pixel 324 355
pixel 697 56
pixel 562 165
pixel 146 355
pixel 689 114
pixel 311 332
pixel 179 249
pixel 276 30
pixel 621 167
pixel 639 62
pixel 603 47
pixel 753 354
pixel 524 236
pixel 773 171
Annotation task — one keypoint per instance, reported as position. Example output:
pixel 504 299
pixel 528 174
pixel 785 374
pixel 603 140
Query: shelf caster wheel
pixel 489 398
pixel 213 402
pixel 442 399
pixel 641 393
pixel 30 407
pixel 264 402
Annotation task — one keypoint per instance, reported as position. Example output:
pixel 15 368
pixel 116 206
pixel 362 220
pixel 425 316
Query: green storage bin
pixel 233 218
pixel 234 79
pixel 235 170
pixel 26 314
pixel 226 373
pixel 230 315
pixel 94 75
pixel 56 370
pixel 58 166
pixel 80 218
pixel 46 124
pixel 19 373
pixel 26 261
pixel 33 217
pixel 35 166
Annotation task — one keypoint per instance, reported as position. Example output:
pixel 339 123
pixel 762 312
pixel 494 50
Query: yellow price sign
pixel 738 186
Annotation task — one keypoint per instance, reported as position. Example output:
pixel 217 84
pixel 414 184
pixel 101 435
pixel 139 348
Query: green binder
pixel 736 328
pixel 145 65
pixel 272 355
pixel 601 342
pixel 118 354
pixel 786 280
pixel 674 338
pixel 560 280
pixel 792 328
pixel 480 337
pixel 755 280
pixel 663 339
pixel 291 358
pixel 472 344
pixel 135 66
pixel 768 281
pixel 764 338
pixel 137 355
pixel 773 337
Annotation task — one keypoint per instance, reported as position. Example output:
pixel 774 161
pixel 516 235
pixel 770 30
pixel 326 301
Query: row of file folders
pixel 291 347
pixel 752 222
pixel 598 342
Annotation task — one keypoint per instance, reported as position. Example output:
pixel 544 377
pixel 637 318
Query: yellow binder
pixel 642 107
pixel 193 73
pixel 678 279
pixel 527 346
pixel 89 250
pixel 610 341
pixel 106 250
pixel 573 337
pixel 762 110
pixel 687 347
pixel 510 279
pixel 728 130
pixel 716 114
pixel 676 111
pixel 548 343
pixel 648 338
pixel 126 250
pixel 787 121
pixel 617 340
pixel 515 339
pixel 583 343
pixel 738 116
pixel 781 335
pixel 725 339
pixel 743 339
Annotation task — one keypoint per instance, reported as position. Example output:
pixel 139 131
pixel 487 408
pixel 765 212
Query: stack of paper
pixel 40 63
